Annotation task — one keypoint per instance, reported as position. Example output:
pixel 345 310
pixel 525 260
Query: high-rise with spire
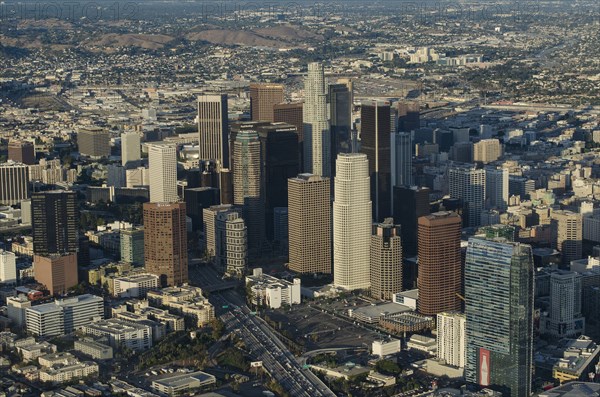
pixel 317 138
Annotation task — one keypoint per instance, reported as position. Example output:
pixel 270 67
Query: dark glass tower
pixel 375 143
pixel 279 142
pixel 55 222
pixel 410 203
pixel 499 309
pixel 340 116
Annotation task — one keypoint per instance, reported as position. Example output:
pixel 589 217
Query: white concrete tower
pixel 352 222
pixel 163 173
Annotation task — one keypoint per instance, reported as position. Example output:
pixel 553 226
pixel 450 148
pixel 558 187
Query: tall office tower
pixel 213 128
pixel 499 309
pixel 291 113
pixel 165 242
pixel 352 222
pixel 309 224
pixel 162 158
pixel 340 116
pixel 278 143
pixel 375 143
pixel 132 246
pixel 8 267
pixel 408 116
pixel 487 150
pixel 130 150
pixel 317 138
pixel 231 243
pixel 451 339
pixel 14 183
pixel 58 272
pixel 196 200
pixel 496 188
pixel 440 272
pixel 26 212
pixel 569 234
pixel 263 96
pixel 565 318
pixel 226 185
pixel 410 203
pixel 239 127
pixel 55 222
pixel 209 218
pixel 468 184
pixel 386 260
pixel 21 152
pixel 247 185
pixel 93 142
pixel 401 146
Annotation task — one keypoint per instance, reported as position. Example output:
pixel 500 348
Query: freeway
pixel 262 342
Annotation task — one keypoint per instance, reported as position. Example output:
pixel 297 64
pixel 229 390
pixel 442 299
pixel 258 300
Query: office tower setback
pixel 291 113
pixel 281 225
pixel 317 138
pixel 209 219
pixel 14 183
pixel 451 339
pixel 8 267
pixel 496 188
pixel 21 152
pixel 213 128
pixel 401 159
pixel 565 319
pixel 55 222
pixel 93 142
pixel 487 150
pixel 231 243
pixel 340 116
pixel 278 143
pixel 130 150
pixel 468 184
pixel 499 310
pixel 226 185
pixel 375 143
pixel 408 116
pixel 165 242
pixel 569 234
pixel 58 272
pixel 386 260
pixel 247 184
pixel 132 246
pixel 196 200
pixel 263 96
pixel 162 172
pixel 410 203
pixel 351 222
pixel 309 224
pixel 440 273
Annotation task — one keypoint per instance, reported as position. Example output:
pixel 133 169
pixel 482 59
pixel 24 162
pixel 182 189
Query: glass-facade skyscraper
pixel 499 311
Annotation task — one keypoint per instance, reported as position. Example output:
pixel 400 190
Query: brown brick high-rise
pixel 440 270
pixel 165 242
pixel 263 96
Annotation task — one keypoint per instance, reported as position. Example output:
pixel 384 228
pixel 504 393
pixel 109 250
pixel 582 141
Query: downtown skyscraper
pixel 165 242
pixel 467 183
pixel 352 222
pixel 375 138
pixel 263 97
pixel 340 116
pixel 213 129
pixel 55 221
pixel 162 158
pixel 317 138
pixel 499 310
pixel 386 260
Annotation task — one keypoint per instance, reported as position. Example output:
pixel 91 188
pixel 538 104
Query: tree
pixel 217 328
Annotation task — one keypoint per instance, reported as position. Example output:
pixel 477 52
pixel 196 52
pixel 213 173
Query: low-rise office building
pixel 95 350
pixel 271 291
pixel 579 358
pixel 68 372
pixel 135 285
pixel 122 333
pixel 179 383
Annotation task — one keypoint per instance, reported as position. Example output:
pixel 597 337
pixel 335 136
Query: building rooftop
pixel 115 326
pixel 574 389
pixel 179 380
